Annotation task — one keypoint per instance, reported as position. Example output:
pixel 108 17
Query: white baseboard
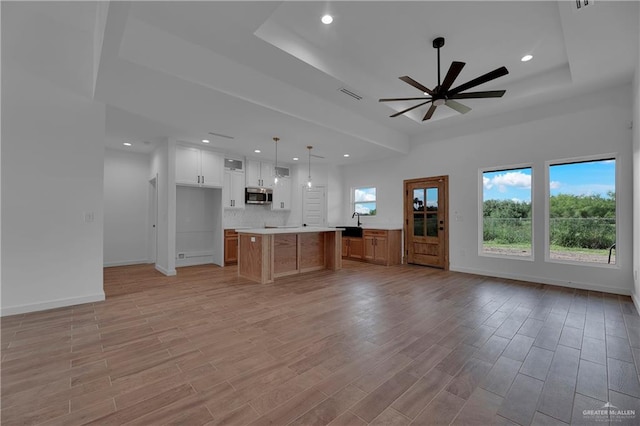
pixel 165 271
pixel 52 304
pixel 533 279
pixel 193 261
pixel 126 263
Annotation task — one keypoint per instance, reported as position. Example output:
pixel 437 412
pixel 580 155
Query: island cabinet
pixel 352 248
pixel 267 254
pixel 381 246
pixel 230 247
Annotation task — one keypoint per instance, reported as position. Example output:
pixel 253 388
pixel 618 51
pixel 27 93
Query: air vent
pixel 221 135
pixel 351 93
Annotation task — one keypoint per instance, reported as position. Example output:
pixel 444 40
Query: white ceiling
pixel 255 70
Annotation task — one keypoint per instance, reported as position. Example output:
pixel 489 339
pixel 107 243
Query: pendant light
pixel 309 180
pixel 275 180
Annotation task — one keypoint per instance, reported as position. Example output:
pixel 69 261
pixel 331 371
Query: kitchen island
pixel 268 253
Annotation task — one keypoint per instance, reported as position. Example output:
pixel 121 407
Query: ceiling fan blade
pixel 452 74
pixel 403 99
pixel 409 109
pixel 499 72
pixel 474 95
pixel 462 109
pixel 317 156
pixel 415 84
pixel 429 113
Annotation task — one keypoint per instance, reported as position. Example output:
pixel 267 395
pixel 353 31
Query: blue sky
pixel 589 178
pixel 592 178
pixel 514 184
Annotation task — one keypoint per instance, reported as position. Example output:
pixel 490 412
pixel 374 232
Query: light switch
pixel 88 217
pixel 253 239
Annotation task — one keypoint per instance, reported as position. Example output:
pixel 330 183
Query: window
pixel 364 201
pixel 582 211
pixel 506 212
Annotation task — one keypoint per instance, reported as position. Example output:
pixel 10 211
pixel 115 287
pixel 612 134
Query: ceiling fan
pixel 443 95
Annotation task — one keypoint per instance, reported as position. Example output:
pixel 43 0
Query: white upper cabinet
pixel 212 168
pixel 259 173
pixel 187 165
pixel 233 189
pixel 282 194
pixel 199 167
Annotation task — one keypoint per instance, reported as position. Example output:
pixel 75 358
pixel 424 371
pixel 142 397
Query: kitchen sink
pixel 351 231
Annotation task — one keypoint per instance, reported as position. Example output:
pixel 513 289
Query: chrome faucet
pixel 354 215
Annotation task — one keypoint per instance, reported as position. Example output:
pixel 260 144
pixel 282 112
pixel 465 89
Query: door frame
pixel 152 240
pixel 445 213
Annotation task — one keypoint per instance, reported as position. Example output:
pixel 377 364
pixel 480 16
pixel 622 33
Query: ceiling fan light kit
pixel 442 95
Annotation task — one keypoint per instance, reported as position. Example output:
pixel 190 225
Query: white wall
pixel 126 205
pixel 321 175
pixel 52 186
pixel 636 181
pixel 592 124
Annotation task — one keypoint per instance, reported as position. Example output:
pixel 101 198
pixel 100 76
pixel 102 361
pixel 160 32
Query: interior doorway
pixel 426 231
pixel 314 206
pixel 153 219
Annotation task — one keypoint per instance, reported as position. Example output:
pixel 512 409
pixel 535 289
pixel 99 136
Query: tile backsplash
pixel 255 217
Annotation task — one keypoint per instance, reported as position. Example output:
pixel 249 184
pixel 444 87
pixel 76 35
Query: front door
pixel 426 229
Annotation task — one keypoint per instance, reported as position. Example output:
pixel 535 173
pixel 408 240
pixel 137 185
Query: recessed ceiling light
pixel 425 93
pixel 327 19
pixel 205 140
pixel 295 158
pixel 345 155
pixel 526 58
pixel 257 151
pixel 127 144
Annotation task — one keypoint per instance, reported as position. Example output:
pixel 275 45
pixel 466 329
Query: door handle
pixel 442 228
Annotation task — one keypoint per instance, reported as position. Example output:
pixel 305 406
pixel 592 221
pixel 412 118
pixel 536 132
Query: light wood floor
pixel 367 344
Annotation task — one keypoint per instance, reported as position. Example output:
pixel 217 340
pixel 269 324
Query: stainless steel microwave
pixel 255 195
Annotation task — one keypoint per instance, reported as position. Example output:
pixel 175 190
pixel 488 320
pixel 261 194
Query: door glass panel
pixel 418 200
pixel 432 199
pixel 432 224
pixel 418 224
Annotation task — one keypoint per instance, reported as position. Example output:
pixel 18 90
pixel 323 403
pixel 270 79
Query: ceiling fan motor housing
pixel 438 42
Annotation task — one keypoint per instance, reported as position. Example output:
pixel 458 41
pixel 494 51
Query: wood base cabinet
pixel 230 247
pixel 379 246
pixel 352 248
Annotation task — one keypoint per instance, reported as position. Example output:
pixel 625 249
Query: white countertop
pixel 298 230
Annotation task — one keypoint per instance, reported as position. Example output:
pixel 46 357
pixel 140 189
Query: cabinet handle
pixel 282 205
pixel 202 179
pixel 198 178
